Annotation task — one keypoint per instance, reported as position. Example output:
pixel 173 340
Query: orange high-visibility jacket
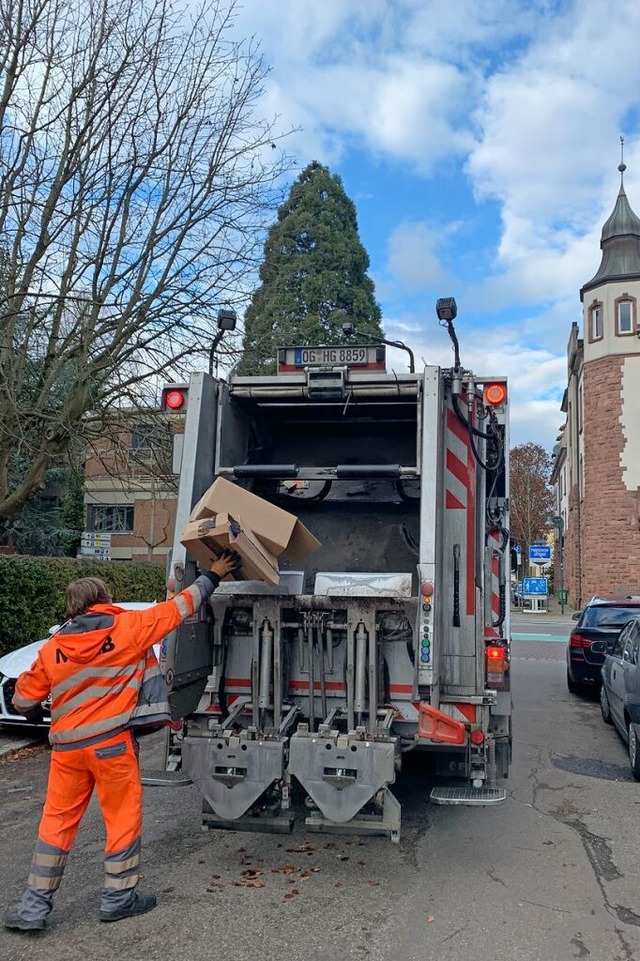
pixel 94 668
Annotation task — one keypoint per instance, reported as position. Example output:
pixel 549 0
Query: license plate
pixel 323 356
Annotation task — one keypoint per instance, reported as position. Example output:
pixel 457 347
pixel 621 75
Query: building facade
pixel 596 472
pixel 131 487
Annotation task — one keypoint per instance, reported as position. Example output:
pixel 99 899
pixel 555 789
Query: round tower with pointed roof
pixel 607 421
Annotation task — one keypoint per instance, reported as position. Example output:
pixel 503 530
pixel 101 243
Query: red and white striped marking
pixel 460 492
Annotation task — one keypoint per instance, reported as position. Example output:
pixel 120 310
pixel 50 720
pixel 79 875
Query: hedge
pixel 32 591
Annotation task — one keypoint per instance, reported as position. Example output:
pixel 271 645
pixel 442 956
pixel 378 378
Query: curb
pixel 10 747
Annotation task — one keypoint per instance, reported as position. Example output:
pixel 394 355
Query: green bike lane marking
pixel 553 638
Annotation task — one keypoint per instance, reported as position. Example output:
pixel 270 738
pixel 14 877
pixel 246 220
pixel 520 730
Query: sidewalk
pixel 553 611
pixel 12 741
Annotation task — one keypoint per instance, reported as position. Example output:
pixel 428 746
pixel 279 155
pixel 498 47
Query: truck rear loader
pixel 392 638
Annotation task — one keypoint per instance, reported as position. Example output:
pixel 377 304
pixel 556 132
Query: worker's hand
pixel 228 562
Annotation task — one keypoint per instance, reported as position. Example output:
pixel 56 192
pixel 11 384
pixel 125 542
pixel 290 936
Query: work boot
pixel 140 905
pixel 14 921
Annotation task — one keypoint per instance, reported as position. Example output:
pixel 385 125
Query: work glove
pixel 35 715
pixel 228 562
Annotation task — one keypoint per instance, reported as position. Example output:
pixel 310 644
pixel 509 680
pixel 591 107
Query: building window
pixel 110 518
pixel 625 316
pixel 148 436
pixel 595 332
pixel 580 405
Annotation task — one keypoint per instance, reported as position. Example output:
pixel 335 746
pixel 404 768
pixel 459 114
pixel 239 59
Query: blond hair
pixel 84 593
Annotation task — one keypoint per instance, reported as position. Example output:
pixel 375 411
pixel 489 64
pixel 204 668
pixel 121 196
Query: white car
pixel 16 662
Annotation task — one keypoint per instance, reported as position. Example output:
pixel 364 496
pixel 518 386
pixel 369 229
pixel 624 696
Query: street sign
pixel 97 539
pixel 96 545
pixel 540 554
pixel 535 586
pixel 518 549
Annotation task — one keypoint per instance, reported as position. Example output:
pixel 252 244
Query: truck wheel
pixel 605 707
pixel 634 751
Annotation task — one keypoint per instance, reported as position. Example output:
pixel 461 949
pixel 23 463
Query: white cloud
pixel 412 258
pixel 548 125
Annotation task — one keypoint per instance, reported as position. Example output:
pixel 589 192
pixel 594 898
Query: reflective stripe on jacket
pixel 101 671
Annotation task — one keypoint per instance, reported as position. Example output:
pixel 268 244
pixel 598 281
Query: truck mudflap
pixel 233 771
pixel 342 773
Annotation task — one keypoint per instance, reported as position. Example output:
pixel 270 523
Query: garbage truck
pixel 388 642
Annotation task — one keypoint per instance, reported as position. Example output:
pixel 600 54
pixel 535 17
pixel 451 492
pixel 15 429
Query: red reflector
pixel 175 725
pixel 495 394
pixel 495 653
pixel 426 589
pixel 477 737
pixel 174 399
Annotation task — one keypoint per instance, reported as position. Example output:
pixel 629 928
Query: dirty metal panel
pixel 341 774
pixel 232 773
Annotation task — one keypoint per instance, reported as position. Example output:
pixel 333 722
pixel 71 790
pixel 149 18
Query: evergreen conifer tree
pixel 313 276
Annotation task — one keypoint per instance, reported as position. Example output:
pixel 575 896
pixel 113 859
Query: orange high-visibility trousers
pixel 111 766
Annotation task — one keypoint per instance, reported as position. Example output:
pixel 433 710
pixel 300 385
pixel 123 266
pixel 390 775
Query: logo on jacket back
pixel 108 645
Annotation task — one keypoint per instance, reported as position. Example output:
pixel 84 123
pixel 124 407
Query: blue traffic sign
pixel 518 549
pixel 538 586
pixel 540 553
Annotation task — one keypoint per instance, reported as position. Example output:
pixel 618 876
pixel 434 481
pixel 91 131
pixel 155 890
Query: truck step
pixel 468 795
pixel 165 779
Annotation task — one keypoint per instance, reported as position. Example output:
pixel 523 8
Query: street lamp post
pixel 557 523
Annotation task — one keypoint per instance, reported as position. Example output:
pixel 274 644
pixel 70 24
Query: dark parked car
pixel 601 620
pixel 620 690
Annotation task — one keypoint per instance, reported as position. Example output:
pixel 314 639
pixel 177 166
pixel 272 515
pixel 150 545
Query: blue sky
pixel 479 140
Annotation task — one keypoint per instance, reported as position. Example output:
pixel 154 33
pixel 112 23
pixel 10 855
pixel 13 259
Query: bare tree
pixel 531 493
pixel 138 175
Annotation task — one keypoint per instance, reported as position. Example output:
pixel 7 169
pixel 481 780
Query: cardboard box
pixel 207 538
pixel 280 532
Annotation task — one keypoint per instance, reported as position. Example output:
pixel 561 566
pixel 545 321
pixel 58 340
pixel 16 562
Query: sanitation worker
pixel 104 681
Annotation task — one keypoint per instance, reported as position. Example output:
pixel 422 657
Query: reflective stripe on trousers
pixel 121 875
pixel 47 866
pixel 112 768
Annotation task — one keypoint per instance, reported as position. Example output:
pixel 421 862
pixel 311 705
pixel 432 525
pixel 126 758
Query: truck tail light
pixel 496 665
pixel 495 394
pixel 477 737
pixel 174 397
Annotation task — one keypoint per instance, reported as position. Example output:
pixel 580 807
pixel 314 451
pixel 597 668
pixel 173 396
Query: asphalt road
pixel 551 875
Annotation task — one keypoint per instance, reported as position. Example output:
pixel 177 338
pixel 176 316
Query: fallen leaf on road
pixel 431 919
pixel 373 881
pixel 251 874
pixel 248 883
pixel 291 894
pixel 216 886
pixel 338 884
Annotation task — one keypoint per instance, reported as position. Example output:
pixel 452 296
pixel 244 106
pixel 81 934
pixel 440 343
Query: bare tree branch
pixel 138 176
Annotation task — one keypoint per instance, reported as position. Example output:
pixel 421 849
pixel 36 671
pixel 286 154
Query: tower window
pixel 596 322
pixel 625 316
